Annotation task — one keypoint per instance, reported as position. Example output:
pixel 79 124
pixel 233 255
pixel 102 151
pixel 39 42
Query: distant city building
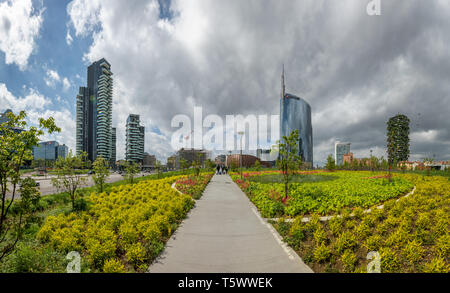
pixel 341 149
pixel 94 113
pixel 220 159
pixel 295 114
pixel 267 157
pixel 135 137
pixel 191 155
pixel 113 146
pixel 172 162
pixel 62 151
pixel 149 161
pixel 4 119
pixel 247 160
pixel 416 165
pixel 50 151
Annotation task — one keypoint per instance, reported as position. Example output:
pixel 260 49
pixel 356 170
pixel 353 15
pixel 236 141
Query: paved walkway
pixel 225 234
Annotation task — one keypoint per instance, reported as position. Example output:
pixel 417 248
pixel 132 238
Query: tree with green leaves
pixel 429 162
pixel 257 165
pixel 158 168
pixel 183 164
pixel 16 146
pixel 131 170
pixel 331 164
pixel 67 178
pixel 289 159
pixel 397 140
pixel 101 172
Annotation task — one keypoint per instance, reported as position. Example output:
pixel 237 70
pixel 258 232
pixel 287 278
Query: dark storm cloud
pixel 355 70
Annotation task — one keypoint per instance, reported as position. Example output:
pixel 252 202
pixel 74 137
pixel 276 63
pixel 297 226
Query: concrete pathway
pixel 225 234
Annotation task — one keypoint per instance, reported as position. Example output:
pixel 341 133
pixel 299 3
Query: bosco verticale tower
pixel 94 113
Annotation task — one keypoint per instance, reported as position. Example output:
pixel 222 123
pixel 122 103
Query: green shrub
pixel 113 265
pixel 80 205
pixel 436 265
pixel 322 253
pixel 389 260
pixel 348 259
pixel 31 258
pixel 413 251
pixel 442 247
pixel 320 235
pixel 373 243
pixel 335 224
pixel 362 231
pixel 346 240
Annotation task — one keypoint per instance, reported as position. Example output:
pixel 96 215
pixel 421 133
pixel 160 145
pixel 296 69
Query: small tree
pixel 101 172
pixel 289 159
pixel 16 146
pixel 257 165
pixel 67 179
pixel 131 169
pixel 331 165
pixel 197 165
pixel 429 162
pixel 355 164
pixel 183 164
pixel 158 167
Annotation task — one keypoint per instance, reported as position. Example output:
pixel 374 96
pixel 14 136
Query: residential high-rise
pixel 114 146
pixel 341 149
pixel 295 113
pixel 94 112
pixel 135 136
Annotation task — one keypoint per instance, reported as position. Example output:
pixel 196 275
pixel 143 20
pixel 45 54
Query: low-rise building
pixel 50 151
pixel 247 160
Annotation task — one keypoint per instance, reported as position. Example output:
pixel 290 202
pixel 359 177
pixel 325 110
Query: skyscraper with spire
pixel 295 113
pixel 94 113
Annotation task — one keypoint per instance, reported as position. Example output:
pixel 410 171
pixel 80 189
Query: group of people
pixel 221 169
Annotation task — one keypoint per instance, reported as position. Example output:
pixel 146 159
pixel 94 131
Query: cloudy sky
pixel 168 56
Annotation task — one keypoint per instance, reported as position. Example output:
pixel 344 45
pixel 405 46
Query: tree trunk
pixel 285 190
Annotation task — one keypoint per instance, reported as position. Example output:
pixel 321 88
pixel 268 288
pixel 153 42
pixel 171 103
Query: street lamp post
pixel 371 160
pixel 241 133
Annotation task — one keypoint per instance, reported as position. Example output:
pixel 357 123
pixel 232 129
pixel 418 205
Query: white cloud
pixel 356 71
pixel 33 100
pixel 52 77
pixel 84 15
pixel 19 27
pixel 69 38
pixel 37 106
pixel 66 84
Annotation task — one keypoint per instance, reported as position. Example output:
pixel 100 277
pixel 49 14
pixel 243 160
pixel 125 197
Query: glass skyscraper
pixel 94 113
pixel 295 114
pixel 341 149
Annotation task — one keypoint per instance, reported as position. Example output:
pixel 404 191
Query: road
pixel 225 234
pixel 47 188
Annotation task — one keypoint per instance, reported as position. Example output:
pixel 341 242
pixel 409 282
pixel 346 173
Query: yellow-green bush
pixel 113 265
pixel 120 224
pixel 411 234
